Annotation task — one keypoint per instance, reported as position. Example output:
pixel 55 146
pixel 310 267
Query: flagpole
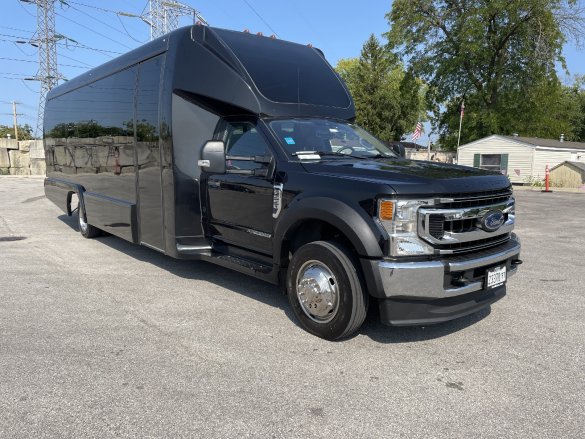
pixel 460 123
pixel 429 149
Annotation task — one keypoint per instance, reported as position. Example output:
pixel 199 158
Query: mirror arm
pixel 240 171
pixel 256 159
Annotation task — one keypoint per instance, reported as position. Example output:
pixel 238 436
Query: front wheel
pixel 325 290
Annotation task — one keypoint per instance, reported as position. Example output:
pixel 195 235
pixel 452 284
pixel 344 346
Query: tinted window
pixel 147 113
pixel 90 131
pixel 243 139
pixel 287 72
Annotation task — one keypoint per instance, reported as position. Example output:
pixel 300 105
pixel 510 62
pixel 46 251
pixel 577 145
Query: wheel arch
pixel 321 210
pixel 61 193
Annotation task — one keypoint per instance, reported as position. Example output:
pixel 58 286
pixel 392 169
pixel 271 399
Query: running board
pixel 261 271
pixel 252 266
pixel 193 249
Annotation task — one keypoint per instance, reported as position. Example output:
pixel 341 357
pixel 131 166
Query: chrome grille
pixel 454 225
pixel 476 199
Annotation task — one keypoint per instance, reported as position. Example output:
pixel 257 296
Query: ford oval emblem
pixel 492 220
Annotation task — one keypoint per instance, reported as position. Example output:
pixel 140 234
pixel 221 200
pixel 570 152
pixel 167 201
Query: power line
pixel 11 77
pixel 261 18
pixel 67 44
pixel 94 31
pixel 81 46
pixel 69 2
pixel 164 16
pixel 128 33
pixel 17 29
pixel 13 74
pixel 76 60
pixel 31 61
pixel 28 86
pixel 26 10
pixel 106 24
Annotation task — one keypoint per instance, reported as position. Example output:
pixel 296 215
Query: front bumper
pixel 436 291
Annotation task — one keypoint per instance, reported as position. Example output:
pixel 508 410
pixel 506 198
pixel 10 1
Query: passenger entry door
pixel 239 205
pixel 148 155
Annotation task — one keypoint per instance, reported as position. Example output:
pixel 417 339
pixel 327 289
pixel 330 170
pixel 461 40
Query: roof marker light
pixel 309 45
pixel 246 31
pixel 260 34
pixel 273 36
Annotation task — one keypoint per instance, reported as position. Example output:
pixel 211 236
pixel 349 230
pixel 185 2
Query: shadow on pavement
pixel 407 334
pixel 270 295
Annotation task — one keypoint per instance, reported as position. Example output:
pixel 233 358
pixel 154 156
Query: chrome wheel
pixel 317 291
pixel 82 222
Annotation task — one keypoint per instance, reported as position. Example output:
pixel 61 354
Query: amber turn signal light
pixel 386 210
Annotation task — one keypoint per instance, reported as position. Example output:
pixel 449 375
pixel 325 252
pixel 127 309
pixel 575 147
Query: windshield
pixel 327 138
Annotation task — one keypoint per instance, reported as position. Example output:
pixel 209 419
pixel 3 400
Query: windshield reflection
pixel 328 138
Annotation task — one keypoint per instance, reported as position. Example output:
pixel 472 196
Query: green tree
pixel 578 91
pixel 498 55
pixel 388 100
pixel 25 132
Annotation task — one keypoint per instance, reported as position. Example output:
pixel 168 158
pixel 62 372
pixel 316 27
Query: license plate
pixel 496 276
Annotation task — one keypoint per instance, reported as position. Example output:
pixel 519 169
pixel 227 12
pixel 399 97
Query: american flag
pixel 417 132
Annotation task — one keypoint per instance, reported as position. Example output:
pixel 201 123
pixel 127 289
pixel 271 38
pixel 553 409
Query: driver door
pixel 239 206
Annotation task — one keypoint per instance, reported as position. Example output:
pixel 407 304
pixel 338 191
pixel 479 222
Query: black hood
pixel 412 177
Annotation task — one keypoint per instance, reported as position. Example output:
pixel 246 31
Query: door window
pixel 243 139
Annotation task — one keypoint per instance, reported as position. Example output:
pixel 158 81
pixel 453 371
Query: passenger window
pixel 243 139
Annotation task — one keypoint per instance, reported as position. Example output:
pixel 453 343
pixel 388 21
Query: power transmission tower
pixel 164 16
pixel 45 39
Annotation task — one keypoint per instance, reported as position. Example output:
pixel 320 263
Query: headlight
pixel 400 219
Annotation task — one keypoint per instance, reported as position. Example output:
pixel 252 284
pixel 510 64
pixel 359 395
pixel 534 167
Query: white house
pixel 523 159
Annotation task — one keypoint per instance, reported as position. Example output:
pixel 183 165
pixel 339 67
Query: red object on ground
pixel 546 179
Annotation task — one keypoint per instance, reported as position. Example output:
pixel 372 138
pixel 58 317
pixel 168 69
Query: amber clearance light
pixel 386 210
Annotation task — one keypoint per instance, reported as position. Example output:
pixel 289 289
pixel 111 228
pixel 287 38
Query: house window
pixel 492 162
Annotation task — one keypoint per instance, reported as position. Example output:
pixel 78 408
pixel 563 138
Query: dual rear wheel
pixel 87 230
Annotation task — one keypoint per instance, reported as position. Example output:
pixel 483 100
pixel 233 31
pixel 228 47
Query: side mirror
pixel 399 149
pixel 213 157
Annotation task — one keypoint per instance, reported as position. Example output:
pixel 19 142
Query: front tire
pixel 325 290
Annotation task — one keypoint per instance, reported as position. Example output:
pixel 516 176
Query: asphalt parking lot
pixel 102 338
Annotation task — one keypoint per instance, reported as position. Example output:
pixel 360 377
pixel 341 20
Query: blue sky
pixel 338 27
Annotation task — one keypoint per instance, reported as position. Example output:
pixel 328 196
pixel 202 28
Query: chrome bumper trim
pixel 426 279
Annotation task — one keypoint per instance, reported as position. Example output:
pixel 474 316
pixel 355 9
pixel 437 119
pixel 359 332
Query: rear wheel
pixel 86 229
pixel 325 290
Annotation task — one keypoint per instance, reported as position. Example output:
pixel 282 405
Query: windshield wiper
pixel 328 153
pixel 382 156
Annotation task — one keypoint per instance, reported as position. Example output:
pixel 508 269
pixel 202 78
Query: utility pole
pixel 45 39
pixel 14 115
pixel 164 16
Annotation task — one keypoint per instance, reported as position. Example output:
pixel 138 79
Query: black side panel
pixel 260 75
pixel 148 154
pixel 112 215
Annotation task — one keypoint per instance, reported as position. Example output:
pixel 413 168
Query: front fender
pixel 356 225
